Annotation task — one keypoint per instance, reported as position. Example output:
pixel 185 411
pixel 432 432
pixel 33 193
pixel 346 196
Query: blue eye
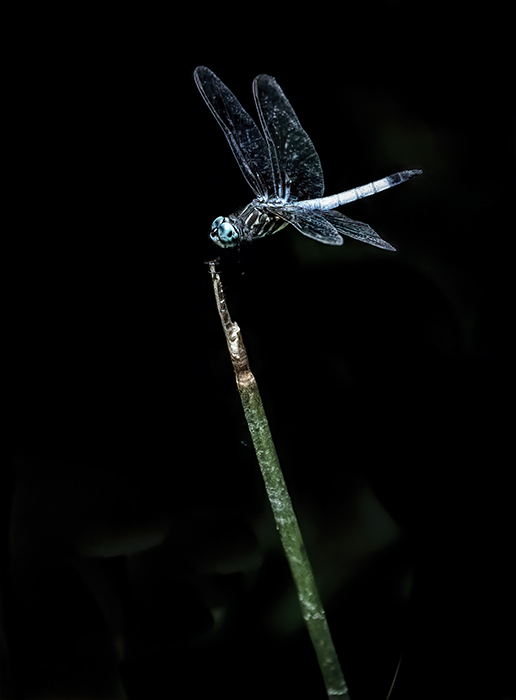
pixel 227 233
pixel 223 233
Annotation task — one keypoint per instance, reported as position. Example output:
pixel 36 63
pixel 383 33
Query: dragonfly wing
pixel 295 163
pixel 355 229
pixel 244 137
pixel 310 223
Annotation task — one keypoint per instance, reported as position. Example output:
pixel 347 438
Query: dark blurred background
pixel 139 558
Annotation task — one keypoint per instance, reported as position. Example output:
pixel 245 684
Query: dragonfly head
pixel 223 233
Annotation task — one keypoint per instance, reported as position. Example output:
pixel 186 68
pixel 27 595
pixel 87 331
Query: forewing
pixel 355 229
pixel 310 223
pixel 296 165
pixel 244 137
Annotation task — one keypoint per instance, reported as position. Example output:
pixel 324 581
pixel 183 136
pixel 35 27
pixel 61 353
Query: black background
pixel 130 483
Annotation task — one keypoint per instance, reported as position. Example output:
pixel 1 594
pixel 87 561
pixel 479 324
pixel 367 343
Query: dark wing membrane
pixel 310 223
pixel 294 159
pixel 244 137
pixel 355 229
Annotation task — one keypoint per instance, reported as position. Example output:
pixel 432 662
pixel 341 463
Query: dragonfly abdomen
pixel 338 200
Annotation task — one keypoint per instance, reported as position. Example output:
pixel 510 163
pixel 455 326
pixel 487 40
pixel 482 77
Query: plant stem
pixel 286 521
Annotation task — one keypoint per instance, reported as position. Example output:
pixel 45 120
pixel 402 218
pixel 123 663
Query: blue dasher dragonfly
pixel 283 170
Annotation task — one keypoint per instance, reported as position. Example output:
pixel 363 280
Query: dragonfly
pixel 284 171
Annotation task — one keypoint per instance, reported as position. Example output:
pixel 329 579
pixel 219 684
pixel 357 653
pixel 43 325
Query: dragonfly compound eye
pixel 217 223
pixel 223 233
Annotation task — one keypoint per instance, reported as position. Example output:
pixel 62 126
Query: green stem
pixel 286 521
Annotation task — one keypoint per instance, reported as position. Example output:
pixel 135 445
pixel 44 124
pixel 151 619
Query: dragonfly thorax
pixel 223 233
